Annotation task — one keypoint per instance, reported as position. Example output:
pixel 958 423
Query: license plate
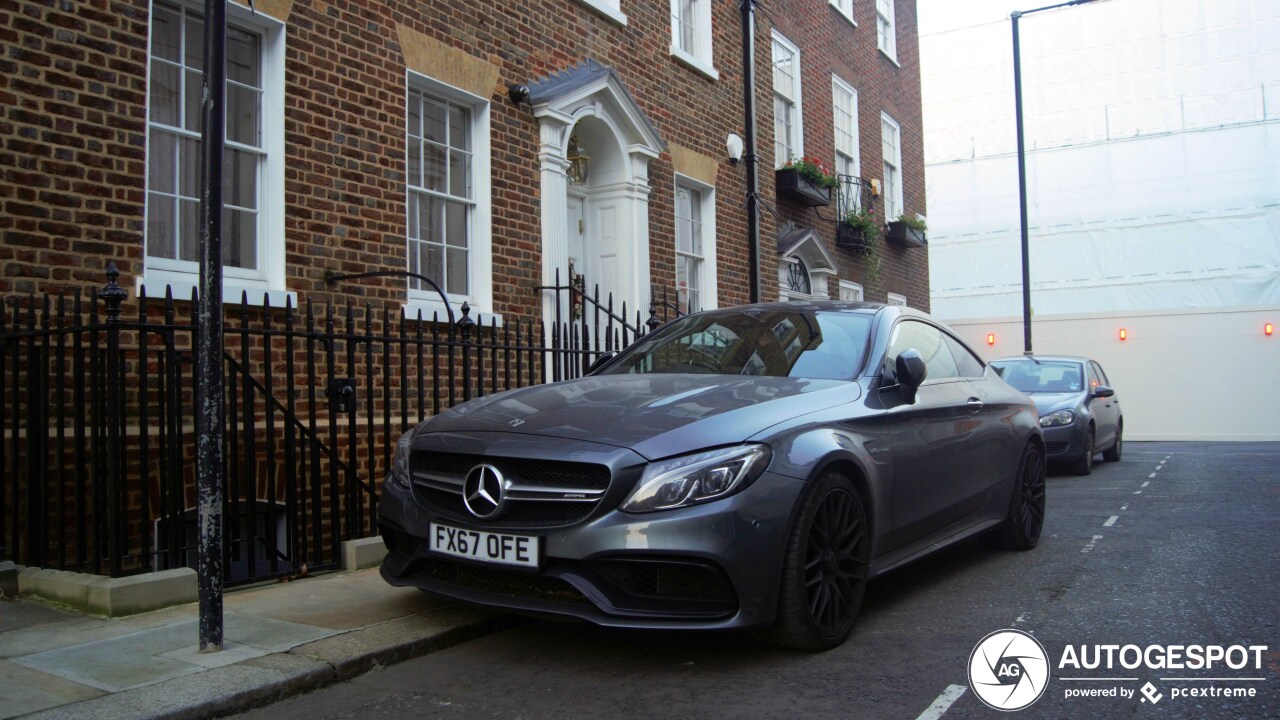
pixel 489 547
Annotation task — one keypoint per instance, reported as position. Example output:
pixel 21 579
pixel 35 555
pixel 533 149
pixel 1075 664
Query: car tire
pixel 825 570
pixel 1112 454
pixel 1025 520
pixel 1084 465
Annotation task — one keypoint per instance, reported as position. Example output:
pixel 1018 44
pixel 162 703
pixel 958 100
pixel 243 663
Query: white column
pixel 638 200
pixel 555 212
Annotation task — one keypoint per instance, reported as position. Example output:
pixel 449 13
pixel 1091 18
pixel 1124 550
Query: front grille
pixel 668 580
pixel 536 497
pixel 499 582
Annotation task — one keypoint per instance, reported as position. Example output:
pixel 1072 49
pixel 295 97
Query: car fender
pixel 806 453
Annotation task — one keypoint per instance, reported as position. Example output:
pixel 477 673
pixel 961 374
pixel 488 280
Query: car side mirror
pixel 601 360
pixel 911 372
pixel 1102 391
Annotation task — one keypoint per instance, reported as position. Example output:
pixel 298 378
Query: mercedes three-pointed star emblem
pixel 483 491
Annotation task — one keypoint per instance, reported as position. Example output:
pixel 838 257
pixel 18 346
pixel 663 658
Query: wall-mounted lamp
pixel 991 338
pixel 1268 329
pixel 518 93
pixel 578 162
pixel 734 143
pixel 1124 334
pixel 875 187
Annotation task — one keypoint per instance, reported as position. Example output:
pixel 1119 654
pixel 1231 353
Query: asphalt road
pixel 1175 545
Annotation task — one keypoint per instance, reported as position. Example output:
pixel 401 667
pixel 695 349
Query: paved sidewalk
pixel 281 639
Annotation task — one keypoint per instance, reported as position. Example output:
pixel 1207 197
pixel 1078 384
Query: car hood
pixel 654 415
pixel 1052 402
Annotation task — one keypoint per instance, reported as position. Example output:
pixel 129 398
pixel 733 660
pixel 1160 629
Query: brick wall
pixel 73 124
pixel 831 44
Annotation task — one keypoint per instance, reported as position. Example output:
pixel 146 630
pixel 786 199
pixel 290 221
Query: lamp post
pixel 1022 166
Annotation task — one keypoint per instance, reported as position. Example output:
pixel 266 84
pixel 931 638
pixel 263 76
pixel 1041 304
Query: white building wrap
pixel 1153 173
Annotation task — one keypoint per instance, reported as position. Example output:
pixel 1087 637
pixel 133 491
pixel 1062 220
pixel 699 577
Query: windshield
pixel 1042 376
pixel 780 343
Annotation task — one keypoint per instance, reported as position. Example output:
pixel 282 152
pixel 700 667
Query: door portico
pixel 591 102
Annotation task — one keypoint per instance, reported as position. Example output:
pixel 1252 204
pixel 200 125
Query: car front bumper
pixel 1065 443
pixel 711 566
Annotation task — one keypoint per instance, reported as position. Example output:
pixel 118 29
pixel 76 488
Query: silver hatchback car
pixel 1079 409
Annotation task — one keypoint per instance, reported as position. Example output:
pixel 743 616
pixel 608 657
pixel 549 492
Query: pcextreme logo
pixel 1008 670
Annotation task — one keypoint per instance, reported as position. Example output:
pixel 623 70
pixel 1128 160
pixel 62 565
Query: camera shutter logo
pixel 1008 670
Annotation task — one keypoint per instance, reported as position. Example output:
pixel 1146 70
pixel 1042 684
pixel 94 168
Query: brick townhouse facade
pixel 489 148
pixel 369 136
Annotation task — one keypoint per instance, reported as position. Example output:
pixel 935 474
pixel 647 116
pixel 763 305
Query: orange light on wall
pixel 1124 334
pixel 1268 329
pixel 991 337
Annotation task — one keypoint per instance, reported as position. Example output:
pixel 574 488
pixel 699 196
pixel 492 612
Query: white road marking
pixel 1137 492
pixel 943 702
pixel 1111 521
pixel 1124 507
pixel 1151 475
pixel 1092 543
pixel 1146 483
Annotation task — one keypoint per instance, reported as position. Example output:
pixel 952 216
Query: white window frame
pixel 893 200
pixel 610 9
pixel 796 141
pixel 852 149
pixel 845 8
pixel 886 41
pixel 699 56
pixel 896 299
pixel 480 240
pixel 708 275
pixel 267 282
pixel 852 287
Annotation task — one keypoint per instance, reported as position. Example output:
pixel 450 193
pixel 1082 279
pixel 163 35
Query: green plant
pixel 814 171
pixel 914 223
pixel 864 223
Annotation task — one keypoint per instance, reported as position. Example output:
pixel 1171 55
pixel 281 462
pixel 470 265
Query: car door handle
pixel 974 404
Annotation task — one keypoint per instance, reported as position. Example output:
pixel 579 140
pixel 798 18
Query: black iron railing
pixel 587 325
pixel 97 439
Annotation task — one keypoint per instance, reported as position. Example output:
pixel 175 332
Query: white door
pixel 577 235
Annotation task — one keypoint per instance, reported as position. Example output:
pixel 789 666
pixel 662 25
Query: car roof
pixel 1050 358
pixel 819 306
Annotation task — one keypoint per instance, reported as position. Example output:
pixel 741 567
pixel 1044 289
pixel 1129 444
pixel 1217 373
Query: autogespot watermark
pixel 1009 670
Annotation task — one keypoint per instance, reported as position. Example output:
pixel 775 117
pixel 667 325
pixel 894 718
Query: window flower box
pixel 906 234
pixel 796 187
pixel 855 239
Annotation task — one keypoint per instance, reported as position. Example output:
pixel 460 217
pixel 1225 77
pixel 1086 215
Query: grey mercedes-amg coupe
pixel 750 467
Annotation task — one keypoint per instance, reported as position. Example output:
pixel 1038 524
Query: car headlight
pixel 400 461
pixel 1054 419
pixel 698 478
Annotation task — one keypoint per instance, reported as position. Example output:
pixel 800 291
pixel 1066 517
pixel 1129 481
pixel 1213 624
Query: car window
pixel 798 344
pixel 966 362
pixel 1101 375
pixel 929 342
pixel 1041 376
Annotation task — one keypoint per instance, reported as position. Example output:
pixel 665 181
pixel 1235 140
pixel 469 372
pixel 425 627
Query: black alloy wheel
pixel 1025 521
pixel 826 568
pixel 1112 454
pixel 1084 465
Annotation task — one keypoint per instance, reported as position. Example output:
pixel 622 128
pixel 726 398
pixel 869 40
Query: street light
pixel 1022 167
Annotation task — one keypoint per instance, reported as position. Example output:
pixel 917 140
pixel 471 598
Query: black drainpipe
pixel 753 176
